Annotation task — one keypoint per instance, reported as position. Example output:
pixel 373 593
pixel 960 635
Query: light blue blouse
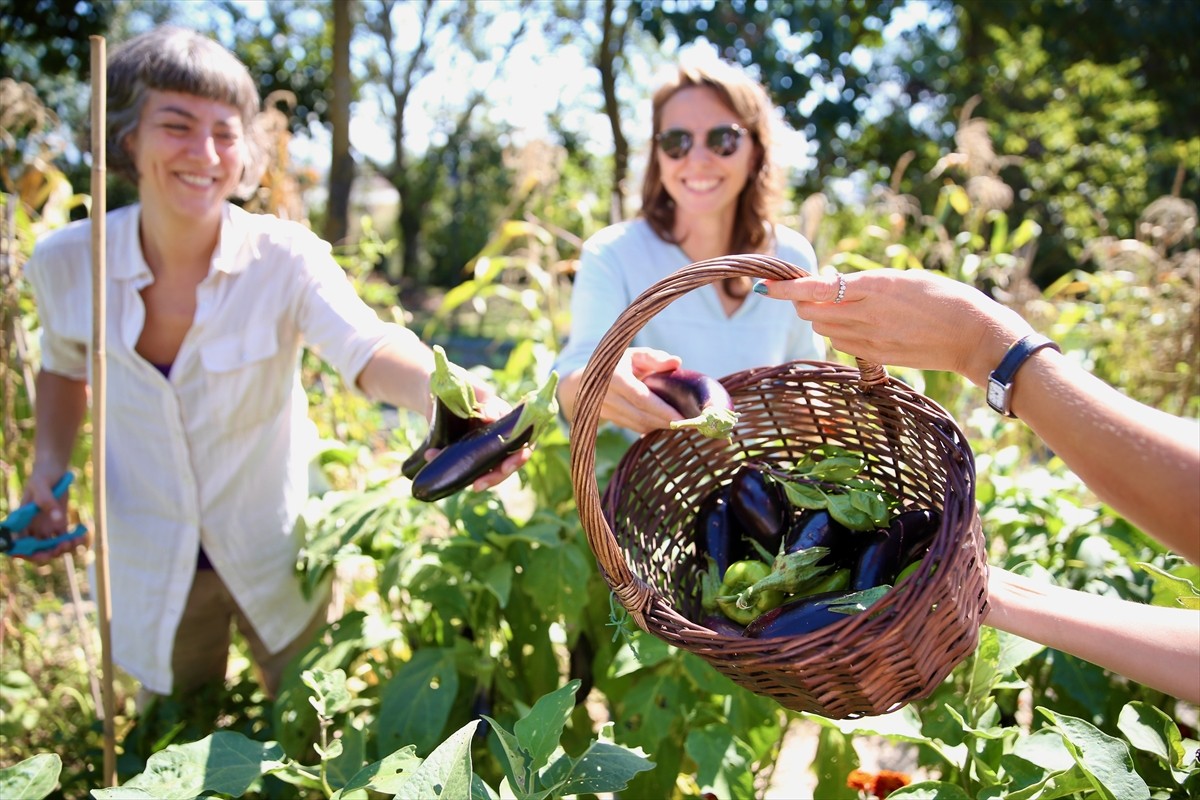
pixel 621 261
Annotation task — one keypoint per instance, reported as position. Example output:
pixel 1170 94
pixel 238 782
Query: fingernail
pixel 760 286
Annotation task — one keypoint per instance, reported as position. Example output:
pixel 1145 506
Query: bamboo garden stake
pixel 99 320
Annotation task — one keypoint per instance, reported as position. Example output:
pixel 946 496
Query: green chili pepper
pixel 734 599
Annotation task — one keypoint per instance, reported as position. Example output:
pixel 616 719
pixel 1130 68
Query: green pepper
pixel 736 602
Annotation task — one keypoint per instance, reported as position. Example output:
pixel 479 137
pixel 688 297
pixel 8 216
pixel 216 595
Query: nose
pixel 204 146
pixel 700 152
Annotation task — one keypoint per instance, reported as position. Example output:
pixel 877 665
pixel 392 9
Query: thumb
pixel 812 289
pixel 646 361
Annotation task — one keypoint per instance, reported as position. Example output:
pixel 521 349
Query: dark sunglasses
pixel 722 140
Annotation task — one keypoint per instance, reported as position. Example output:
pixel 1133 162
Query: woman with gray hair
pixel 710 189
pixel 209 307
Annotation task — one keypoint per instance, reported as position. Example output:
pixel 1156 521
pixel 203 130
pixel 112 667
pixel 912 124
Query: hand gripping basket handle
pixel 633 593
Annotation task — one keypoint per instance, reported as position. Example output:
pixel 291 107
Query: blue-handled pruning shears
pixel 19 520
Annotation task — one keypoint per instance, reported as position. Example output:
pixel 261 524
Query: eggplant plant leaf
pixel 1104 759
pixel 539 731
pixel 34 778
pixel 1150 730
pixel 447 773
pixel 225 762
pixel 416 702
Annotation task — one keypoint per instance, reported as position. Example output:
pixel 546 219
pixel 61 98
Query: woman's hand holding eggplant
pixel 629 402
pixel 491 408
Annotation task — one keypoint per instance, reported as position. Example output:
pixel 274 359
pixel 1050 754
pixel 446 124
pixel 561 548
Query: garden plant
pixel 480 654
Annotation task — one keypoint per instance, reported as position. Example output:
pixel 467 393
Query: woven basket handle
pixel 633 593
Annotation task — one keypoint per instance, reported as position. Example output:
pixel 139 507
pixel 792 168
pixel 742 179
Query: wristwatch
pixel 1000 382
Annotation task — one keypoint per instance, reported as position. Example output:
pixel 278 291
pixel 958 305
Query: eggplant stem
pixel 538 410
pixel 452 385
pixel 716 423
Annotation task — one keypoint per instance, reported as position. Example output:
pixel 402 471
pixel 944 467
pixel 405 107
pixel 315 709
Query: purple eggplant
pixel 717 533
pixel 445 428
pixel 719 623
pixel 761 507
pixel 456 410
pixel 797 617
pixel 479 452
pixel 885 551
pixel 703 400
pixel 816 528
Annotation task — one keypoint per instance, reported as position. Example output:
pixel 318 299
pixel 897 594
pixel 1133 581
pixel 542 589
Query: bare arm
pixel 1141 461
pixel 628 402
pixel 1155 646
pixel 59 413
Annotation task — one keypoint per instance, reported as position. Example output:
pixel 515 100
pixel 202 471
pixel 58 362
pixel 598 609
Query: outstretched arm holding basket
pixel 1143 462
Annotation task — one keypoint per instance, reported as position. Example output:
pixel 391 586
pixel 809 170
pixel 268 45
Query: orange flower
pixel 877 785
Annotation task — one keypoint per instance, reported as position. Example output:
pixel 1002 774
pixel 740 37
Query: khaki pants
pixel 201 652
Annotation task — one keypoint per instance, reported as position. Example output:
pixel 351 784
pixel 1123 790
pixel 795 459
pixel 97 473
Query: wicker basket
pixel 641 532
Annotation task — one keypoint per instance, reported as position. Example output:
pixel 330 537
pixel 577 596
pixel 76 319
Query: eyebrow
pixel 175 110
pixel 183 112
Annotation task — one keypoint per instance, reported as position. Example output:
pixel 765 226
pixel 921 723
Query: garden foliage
pixel 479 652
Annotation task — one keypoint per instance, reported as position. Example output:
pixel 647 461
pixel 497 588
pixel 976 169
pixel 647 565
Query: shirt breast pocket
pixel 246 376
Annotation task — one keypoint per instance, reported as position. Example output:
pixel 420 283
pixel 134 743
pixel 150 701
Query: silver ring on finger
pixel 841 293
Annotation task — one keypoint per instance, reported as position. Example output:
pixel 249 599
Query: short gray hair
pixel 174 59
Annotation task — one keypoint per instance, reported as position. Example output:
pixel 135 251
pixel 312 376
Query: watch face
pixel 997 394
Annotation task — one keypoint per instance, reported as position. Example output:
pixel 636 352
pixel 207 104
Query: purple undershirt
pixel 202 561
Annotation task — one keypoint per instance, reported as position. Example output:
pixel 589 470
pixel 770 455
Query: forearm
pixel 60 410
pixel 568 393
pixel 398 373
pixel 1141 461
pixel 1155 646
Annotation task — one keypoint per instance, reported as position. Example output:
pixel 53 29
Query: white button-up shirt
pixel 217 454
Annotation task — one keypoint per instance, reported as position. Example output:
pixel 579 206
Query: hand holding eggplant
pixel 488 454
pixel 702 400
pixel 457 410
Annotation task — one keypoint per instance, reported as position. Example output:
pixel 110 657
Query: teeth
pixel 702 185
pixel 196 180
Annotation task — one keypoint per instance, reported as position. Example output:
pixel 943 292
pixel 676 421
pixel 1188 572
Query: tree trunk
pixel 341 165
pixel 612 42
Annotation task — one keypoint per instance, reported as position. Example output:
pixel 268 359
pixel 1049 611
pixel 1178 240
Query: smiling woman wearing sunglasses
pixel 710 190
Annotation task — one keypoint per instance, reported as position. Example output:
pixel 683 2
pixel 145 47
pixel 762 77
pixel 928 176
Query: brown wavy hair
pixel 753 223
pixel 173 59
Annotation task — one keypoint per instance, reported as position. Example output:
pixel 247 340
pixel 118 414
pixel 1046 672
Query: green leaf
pixel 1104 759
pixel 416 702
pixel 330 695
pixel 648 652
pixel 873 505
pixel 1150 730
pixel 224 762
pixel 343 767
pixel 605 767
pixel 834 760
pixel 386 775
pixel 31 779
pixel 836 469
pixel 540 730
pixel 562 577
pixel 803 495
pixel 723 762
pixel 1178 588
pixel 517 769
pixel 842 509
pixel 446 773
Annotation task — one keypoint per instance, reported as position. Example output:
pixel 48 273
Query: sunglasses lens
pixel 675 143
pixel 724 140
